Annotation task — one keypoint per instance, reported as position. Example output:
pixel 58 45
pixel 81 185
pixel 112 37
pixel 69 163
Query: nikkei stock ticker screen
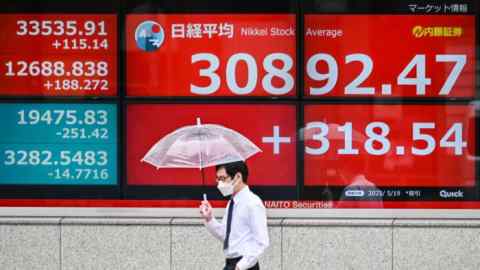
pixel 359 106
pixel 390 118
pixel 389 56
pixel 58 144
pixel 275 134
pixel 213 55
pixel 58 103
pixel 58 55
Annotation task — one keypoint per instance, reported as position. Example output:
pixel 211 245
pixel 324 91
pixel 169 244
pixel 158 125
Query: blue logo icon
pixel 149 36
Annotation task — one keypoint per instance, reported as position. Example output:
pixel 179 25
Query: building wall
pixel 183 243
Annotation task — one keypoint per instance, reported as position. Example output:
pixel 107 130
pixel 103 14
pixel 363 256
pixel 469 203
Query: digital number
pixel 380 137
pixel 57 117
pixel 81 133
pixel 59 28
pixel 76 85
pixel 46 158
pixel 57 68
pixel 376 141
pixel 417 63
pixel 252 74
pixel 90 69
pixel 80 44
pixel 87 158
pixel 35 68
pixel 80 174
pixel 24 158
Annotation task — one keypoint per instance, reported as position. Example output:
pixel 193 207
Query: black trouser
pixel 231 263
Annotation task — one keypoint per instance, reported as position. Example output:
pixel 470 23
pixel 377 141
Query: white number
pixel 78 158
pixel 348 131
pixel 102 117
pixel 372 136
pixel 35 26
pixel 59 28
pixel 207 72
pixel 71 28
pixel 34 116
pixel 71 117
pixel 89 28
pixel 104 174
pixel 34 158
pixel 77 68
pixel 47 69
pixel 46 28
pixel 22 121
pixel 457 142
pixel 321 137
pixel 89 68
pixel 34 68
pixel 9 157
pixel 460 61
pixel 331 76
pixel 46 117
pixel 420 80
pixel 89 117
pixel 23 157
pixel 282 73
pixel 417 63
pixel 251 73
pixel 418 136
pixel 87 158
pixel 59 116
pixel 353 87
pixel 101 25
pixel 65 159
pixel 22 28
pixel 58 68
pixel 103 156
pixel 9 69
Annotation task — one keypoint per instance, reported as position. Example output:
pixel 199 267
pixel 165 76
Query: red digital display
pixel 58 55
pixel 271 127
pixel 391 145
pixel 389 56
pixel 211 55
pixel 408 141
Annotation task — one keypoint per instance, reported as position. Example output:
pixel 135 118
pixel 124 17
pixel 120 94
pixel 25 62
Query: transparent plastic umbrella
pixel 200 146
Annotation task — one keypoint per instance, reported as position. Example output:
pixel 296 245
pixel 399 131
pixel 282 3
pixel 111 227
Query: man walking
pixel 243 229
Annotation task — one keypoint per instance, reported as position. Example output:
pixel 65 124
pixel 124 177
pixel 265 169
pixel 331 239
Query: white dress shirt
pixel 249 234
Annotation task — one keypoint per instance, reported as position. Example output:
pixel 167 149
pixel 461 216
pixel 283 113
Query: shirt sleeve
pixel 217 229
pixel 258 225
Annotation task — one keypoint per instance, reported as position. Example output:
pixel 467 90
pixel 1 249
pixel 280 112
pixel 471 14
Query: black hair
pixel 233 168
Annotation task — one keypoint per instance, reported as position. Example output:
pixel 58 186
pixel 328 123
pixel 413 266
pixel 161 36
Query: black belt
pixel 234 261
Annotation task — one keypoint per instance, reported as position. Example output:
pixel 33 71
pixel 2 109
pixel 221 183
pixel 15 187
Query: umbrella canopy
pixel 200 146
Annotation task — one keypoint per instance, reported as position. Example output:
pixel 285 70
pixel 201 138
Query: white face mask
pixel 226 188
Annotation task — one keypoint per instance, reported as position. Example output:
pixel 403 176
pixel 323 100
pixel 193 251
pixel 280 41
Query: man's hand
pixel 206 210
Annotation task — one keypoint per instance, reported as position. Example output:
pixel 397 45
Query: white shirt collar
pixel 242 193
